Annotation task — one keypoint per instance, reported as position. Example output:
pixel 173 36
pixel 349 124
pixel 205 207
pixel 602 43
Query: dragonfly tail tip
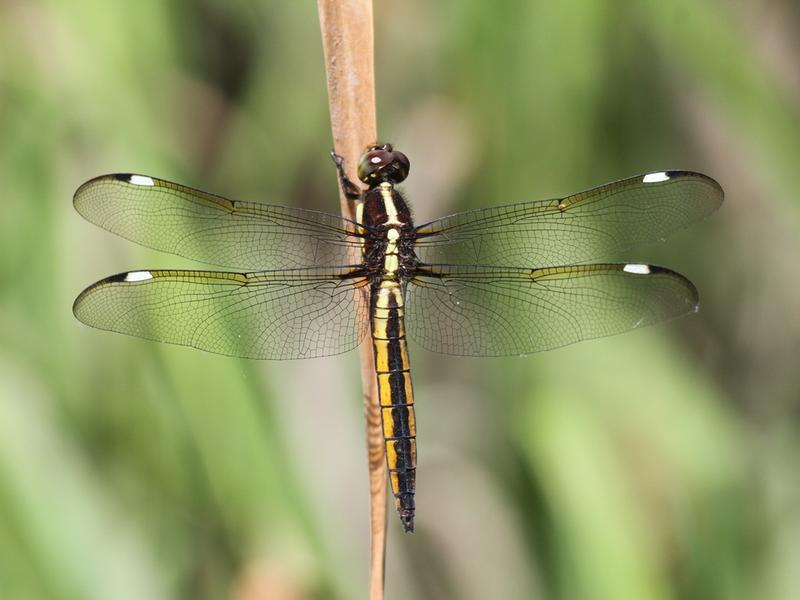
pixel 407 520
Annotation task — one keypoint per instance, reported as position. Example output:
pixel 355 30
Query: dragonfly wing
pixel 591 225
pixel 287 314
pixel 501 311
pixel 211 229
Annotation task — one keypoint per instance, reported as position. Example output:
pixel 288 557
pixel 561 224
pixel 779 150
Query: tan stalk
pixel 348 42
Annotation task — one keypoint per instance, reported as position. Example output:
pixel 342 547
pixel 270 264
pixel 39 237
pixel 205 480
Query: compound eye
pixel 372 162
pixel 401 166
pixel 378 157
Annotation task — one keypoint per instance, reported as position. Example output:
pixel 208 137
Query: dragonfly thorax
pixel 389 249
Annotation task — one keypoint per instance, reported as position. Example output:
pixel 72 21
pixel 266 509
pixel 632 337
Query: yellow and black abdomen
pixel 395 393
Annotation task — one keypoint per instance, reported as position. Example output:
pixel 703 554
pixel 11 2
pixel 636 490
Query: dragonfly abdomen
pixel 396 394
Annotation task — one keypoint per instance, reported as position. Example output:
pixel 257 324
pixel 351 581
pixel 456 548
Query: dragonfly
pixel 499 281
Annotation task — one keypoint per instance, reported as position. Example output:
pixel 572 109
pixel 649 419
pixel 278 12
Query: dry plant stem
pixel 348 42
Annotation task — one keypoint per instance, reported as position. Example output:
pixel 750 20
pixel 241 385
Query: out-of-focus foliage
pixel 659 464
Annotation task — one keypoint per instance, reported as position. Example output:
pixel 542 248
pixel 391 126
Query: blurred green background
pixel 659 464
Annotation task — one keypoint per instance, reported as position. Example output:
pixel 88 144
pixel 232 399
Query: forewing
pixel 284 314
pixel 211 229
pixel 497 311
pixel 593 225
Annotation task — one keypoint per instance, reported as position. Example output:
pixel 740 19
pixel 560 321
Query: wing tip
pixel 127 178
pixel 693 295
pixel 79 193
pixel 80 302
pixel 671 175
pixel 124 277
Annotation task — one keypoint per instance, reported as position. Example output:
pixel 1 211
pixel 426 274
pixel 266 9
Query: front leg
pixel 350 190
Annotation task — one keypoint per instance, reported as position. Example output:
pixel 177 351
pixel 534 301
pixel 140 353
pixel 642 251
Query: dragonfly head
pixel 381 162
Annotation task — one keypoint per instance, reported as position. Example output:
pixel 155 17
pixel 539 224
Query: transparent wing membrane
pixel 211 229
pixel 593 225
pixel 303 313
pixel 499 311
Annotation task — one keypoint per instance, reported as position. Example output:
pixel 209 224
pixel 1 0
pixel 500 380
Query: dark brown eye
pixel 378 158
pixel 401 166
pixel 371 163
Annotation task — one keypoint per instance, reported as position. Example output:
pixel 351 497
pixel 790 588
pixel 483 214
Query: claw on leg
pixel 350 190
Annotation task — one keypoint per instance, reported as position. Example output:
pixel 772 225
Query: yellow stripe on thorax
pixel 388 203
pixel 360 220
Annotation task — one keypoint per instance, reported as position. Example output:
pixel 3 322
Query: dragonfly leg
pixel 350 190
